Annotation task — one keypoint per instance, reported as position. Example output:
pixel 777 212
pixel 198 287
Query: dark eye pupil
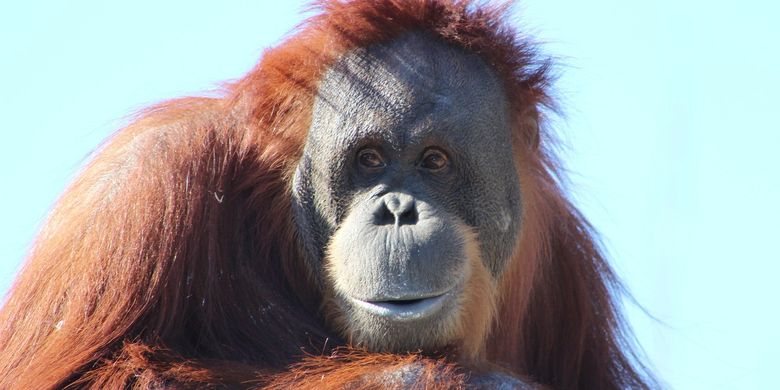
pixel 370 159
pixel 434 161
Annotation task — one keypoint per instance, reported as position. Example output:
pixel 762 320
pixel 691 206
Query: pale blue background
pixel 671 134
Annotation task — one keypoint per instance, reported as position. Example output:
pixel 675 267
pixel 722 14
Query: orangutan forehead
pixel 414 78
pixel 411 71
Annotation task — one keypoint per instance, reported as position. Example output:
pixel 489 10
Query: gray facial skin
pixel 393 235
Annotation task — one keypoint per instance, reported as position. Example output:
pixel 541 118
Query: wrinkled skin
pixel 407 175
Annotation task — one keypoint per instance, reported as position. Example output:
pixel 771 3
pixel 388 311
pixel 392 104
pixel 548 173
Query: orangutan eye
pixel 370 159
pixel 434 160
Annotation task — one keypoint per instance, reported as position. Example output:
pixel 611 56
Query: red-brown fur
pixel 172 259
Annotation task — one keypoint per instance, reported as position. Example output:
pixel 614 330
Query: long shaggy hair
pixel 172 259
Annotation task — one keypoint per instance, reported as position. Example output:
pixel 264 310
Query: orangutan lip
pixel 403 309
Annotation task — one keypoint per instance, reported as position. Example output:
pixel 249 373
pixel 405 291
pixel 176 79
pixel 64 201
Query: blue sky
pixel 670 134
